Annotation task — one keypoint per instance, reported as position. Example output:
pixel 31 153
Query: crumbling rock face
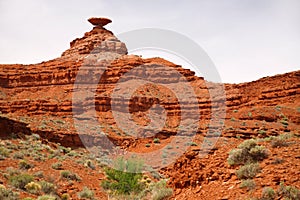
pixel 46 89
pixel 95 41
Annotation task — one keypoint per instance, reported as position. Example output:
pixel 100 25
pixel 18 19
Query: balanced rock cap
pixel 99 21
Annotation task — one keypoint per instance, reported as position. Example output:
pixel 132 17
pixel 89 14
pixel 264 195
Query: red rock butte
pixel 99 21
pixel 37 98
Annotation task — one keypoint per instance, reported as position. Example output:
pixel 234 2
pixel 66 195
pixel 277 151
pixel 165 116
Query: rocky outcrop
pixel 37 93
pixel 99 21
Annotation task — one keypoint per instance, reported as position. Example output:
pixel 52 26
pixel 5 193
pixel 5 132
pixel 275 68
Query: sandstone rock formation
pixel 39 98
pixel 99 21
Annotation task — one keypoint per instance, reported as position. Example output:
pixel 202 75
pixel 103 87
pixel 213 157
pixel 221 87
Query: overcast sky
pixel 246 39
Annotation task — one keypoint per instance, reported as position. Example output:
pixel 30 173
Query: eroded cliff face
pixel 40 95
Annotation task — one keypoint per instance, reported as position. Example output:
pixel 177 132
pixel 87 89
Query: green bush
pixel 39 174
pixel 23 164
pixel 156 140
pixel 69 175
pixel 268 194
pixel 249 184
pixel 65 196
pixel 7 194
pixel 90 164
pixel 33 188
pixel 247 152
pixel 18 155
pixel 86 193
pixel 4 152
pixel 13 171
pixel 46 197
pixel 278 142
pixel 21 180
pixel 289 192
pixel 56 166
pixel 160 191
pixel 248 171
pixel 125 178
pixel 47 188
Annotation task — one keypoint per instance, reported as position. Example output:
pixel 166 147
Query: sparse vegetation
pixel 86 193
pixel 4 153
pixel 156 140
pixel 21 180
pixel 248 171
pixel 46 197
pixel 249 184
pixel 7 194
pixel 279 142
pixel 69 175
pixel 262 132
pixel 289 192
pixel 90 164
pixel 65 196
pixel 125 178
pixel 56 166
pixel 33 187
pixel 23 164
pixel 247 152
pixel 160 191
pixel 47 188
pixel 192 144
pixel 268 194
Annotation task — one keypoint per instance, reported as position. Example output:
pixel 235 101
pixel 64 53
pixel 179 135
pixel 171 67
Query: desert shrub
pixel 46 197
pixel 156 140
pixel 125 178
pixel 56 166
pixel 248 171
pixel 65 196
pixel 90 164
pixel 249 184
pixel 65 150
pixel 69 175
pixel 247 152
pixel 160 191
pixel 23 164
pixel 33 187
pixel 39 174
pixel 18 155
pixel 86 193
pixel 20 181
pixel 4 152
pixel 268 194
pixel 192 144
pixel 284 122
pixel 278 142
pixel 277 161
pixel 262 132
pixel 289 192
pixel 7 194
pixel 47 188
pixel 13 171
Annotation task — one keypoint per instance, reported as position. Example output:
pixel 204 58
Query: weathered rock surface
pixel 99 21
